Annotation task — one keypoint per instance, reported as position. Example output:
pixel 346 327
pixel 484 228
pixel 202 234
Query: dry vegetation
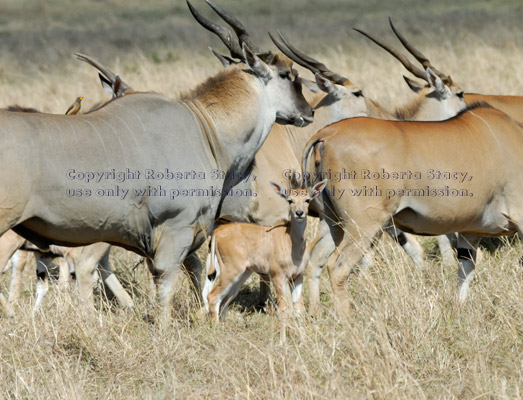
pixel 405 335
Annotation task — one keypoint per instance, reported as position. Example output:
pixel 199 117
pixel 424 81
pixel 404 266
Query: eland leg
pixel 18 264
pixel 172 249
pixel 283 298
pixel 357 239
pixel 10 242
pixel 224 291
pixel 368 259
pixel 64 273
pixel 322 247
pixel 467 246
pixel 153 278
pixel 446 244
pixel 265 291
pixel 86 259
pixel 43 263
pixel 297 294
pixel 86 280
pixel 112 282
pixel 409 243
pixel 193 267
pixel 3 303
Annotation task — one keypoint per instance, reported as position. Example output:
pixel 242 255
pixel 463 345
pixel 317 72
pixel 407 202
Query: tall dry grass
pixel 405 335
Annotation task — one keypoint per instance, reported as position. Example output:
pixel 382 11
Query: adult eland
pixel 218 126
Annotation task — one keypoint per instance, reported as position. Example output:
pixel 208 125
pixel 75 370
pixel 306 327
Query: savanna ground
pixel 405 335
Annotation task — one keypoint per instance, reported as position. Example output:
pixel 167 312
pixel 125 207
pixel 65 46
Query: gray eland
pixel 18 250
pixel 138 172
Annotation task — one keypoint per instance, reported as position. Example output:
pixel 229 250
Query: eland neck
pixel 239 112
pixel 296 231
pixel 427 106
pixel 326 112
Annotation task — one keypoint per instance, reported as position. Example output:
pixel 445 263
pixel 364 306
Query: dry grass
pixel 405 335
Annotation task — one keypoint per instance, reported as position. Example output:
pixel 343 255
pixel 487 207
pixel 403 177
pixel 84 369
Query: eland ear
pixel 318 188
pixel 261 69
pixel 310 85
pixel 117 87
pixel 226 61
pixel 413 85
pixel 280 191
pixel 106 84
pixel 435 81
pixel 325 84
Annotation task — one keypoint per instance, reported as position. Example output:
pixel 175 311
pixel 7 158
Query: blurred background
pixel 157 45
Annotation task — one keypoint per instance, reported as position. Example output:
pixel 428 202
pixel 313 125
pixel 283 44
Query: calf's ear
pixel 280 191
pixel 318 188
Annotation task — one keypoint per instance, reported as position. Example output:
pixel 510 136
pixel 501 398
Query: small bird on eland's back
pixel 75 107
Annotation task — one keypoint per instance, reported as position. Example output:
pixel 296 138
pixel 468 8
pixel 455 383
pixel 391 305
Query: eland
pixel 77 181
pixel 279 251
pixel 17 250
pixel 511 105
pixel 456 101
pixel 78 260
pixel 481 141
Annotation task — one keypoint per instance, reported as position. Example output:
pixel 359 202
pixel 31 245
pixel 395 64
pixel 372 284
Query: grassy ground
pixel 405 335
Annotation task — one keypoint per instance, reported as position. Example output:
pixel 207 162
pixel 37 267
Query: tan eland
pixel 279 251
pixel 461 175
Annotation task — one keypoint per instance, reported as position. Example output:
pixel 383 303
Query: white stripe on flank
pixel 126 125
pixel 101 139
pixel 489 128
pixel 122 148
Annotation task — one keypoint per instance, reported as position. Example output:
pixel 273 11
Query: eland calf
pixel 280 252
pixel 82 260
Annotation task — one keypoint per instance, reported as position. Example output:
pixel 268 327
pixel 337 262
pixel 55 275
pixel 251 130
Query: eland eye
pixel 285 75
pixel 359 93
pixel 460 94
pixel 290 201
pixel 308 200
